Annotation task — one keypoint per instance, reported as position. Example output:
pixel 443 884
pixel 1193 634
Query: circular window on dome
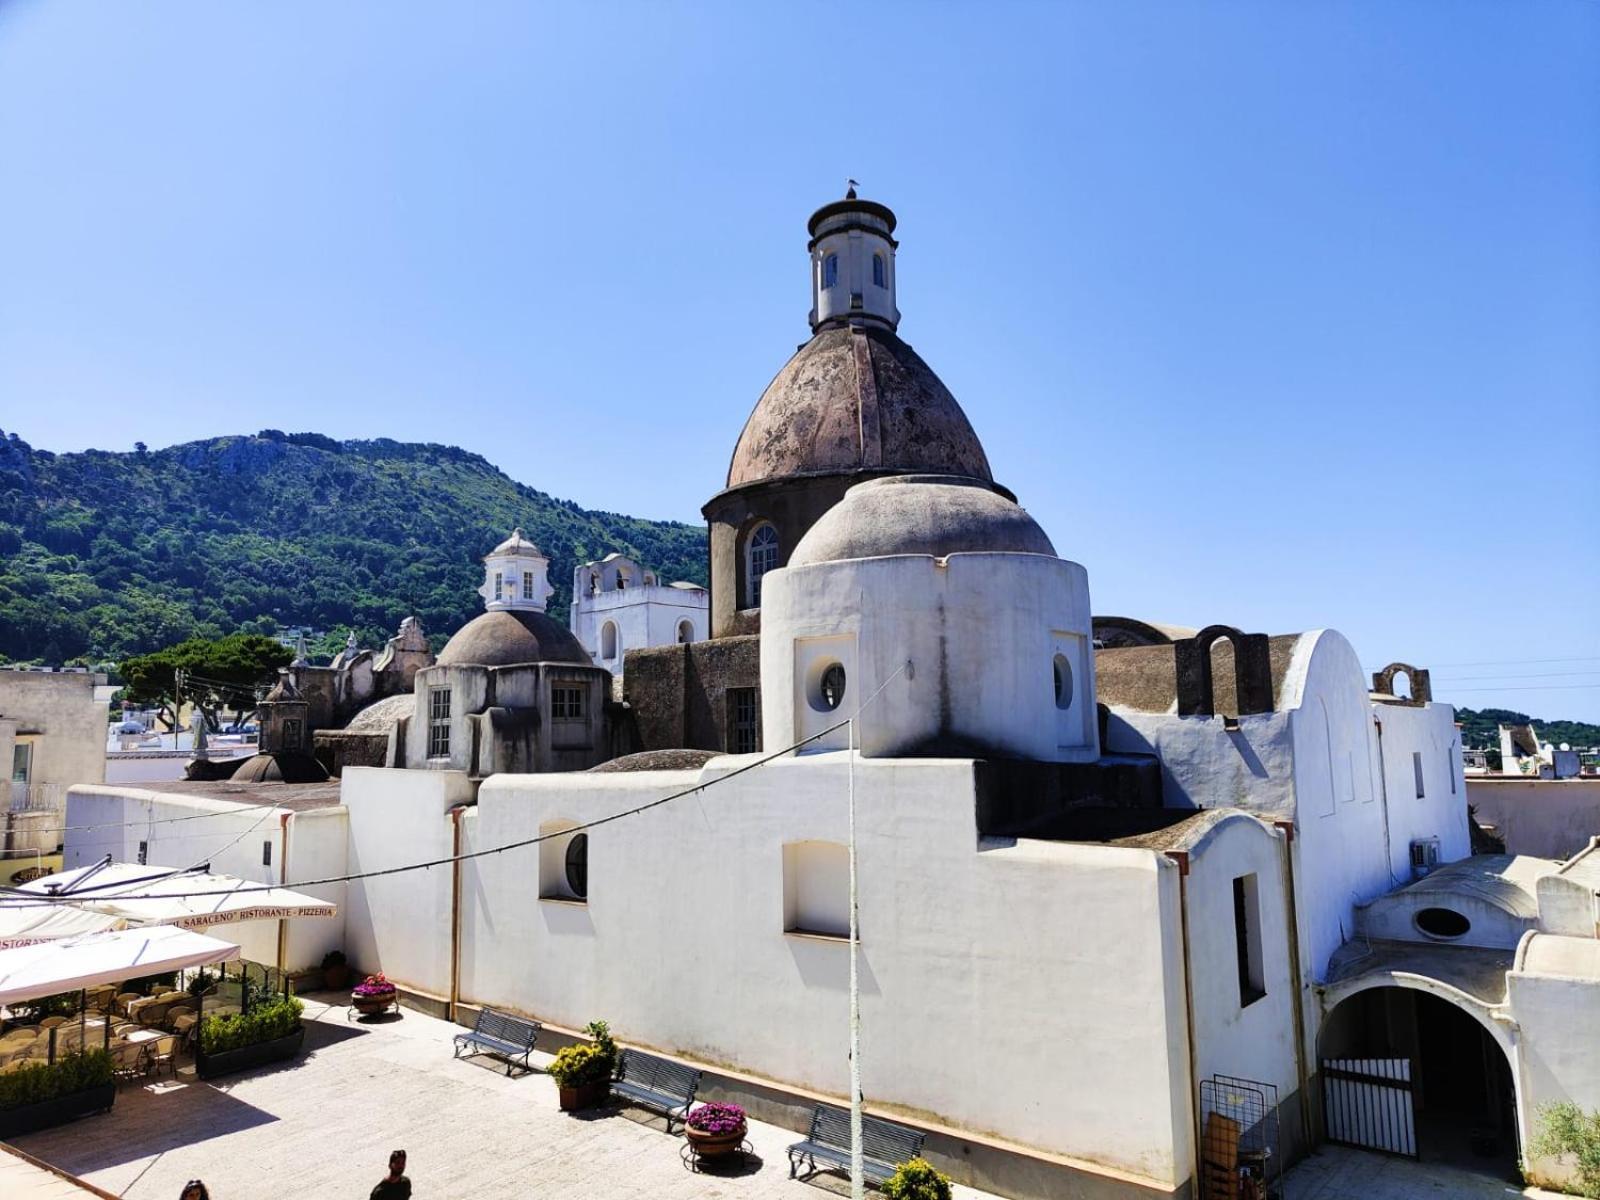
pixel 826 692
pixel 1445 924
pixel 1063 673
pixel 578 865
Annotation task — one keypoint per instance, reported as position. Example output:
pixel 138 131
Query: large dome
pixel 920 514
pixel 505 637
pixel 855 398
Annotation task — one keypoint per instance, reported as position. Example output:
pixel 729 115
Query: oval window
pixel 1444 923
pixel 827 693
pixel 578 865
pixel 1063 670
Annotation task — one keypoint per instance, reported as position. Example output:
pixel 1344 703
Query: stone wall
pixel 678 694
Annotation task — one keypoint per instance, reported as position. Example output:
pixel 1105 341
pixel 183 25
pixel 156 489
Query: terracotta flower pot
pixel 584 1095
pixel 714 1145
pixel 370 1005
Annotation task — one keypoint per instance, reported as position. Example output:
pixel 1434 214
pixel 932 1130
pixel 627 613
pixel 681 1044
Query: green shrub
pixel 577 1065
pixel 1565 1129
pixel 263 1023
pixel 917 1180
pixel 38 1082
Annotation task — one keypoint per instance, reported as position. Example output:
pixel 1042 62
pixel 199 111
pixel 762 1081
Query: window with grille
pixel 744 721
pixel 566 703
pixel 439 722
pixel 527 586
pixel 762 556
pixel 499 585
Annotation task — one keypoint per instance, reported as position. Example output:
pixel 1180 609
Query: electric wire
pixel 12 898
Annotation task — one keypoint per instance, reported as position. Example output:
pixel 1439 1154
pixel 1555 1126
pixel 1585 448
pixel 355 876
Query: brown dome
pixel 504 637
pixel 856 398
pixel 284 766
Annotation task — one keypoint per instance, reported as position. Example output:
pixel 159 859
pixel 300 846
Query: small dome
pixel 504 637
pixel 855 398
pixel 285 766
pixel 515 544
pixel 920 514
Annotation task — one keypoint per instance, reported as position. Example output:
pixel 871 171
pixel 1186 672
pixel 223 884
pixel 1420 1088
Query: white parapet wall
pixel 1030 990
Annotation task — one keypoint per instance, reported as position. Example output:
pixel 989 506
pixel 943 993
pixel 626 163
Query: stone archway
pixel 1452 1067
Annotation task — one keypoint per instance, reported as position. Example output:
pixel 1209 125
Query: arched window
pixel 608 640
pixel 761 556
pixel 878 277
pixel 830 271
pixel 685 631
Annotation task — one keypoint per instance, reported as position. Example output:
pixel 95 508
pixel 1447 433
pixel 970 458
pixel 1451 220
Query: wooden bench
pixel 500 1033
pixel 657 1084
pixel 883 1146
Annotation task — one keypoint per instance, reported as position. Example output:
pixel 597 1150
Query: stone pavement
pixel 321 1128
pixel 1339 1173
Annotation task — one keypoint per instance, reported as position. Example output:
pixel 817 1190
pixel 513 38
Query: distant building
pixel 618 606
pixel 52 735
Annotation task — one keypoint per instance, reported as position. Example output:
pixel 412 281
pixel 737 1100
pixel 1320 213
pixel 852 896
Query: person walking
pixel 394 1185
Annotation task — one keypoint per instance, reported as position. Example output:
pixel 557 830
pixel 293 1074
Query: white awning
pixel 34 926
pixel 30 972
pixel 189 900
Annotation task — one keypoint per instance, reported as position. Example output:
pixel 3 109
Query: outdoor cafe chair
pixel 176 1011
pixel 52 1022
pixel 124 999
pixel 163 1053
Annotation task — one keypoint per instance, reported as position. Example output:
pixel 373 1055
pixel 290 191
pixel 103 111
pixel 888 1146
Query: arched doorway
pixel 1409 1072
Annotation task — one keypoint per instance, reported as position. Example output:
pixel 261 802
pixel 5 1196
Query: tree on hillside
pixel 213 675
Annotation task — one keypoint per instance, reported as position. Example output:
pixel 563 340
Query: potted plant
pixel 583 1071
pixel 39 1095
pixel 916 1179
pixel 373 994
pixel 335 971
pixel 268 1032
pixel 715 1129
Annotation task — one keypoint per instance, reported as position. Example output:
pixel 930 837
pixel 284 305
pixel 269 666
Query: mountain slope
pixel 106 554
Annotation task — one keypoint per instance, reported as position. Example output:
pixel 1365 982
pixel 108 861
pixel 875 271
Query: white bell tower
pixel 852 263
pixel 515 575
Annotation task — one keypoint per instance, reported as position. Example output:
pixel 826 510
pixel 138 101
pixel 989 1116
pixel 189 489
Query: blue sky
pixel 1281 315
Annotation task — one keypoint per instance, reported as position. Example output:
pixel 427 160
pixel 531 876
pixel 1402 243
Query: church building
pixel 1128 890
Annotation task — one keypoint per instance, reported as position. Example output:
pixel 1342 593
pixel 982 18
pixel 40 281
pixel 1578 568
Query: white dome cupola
pixel 852 263
pixel 515 576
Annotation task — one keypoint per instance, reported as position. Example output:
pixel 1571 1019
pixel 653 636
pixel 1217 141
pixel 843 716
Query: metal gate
pixel 1368 1102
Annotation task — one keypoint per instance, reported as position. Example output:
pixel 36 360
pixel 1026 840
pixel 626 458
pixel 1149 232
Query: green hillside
pixel 104 555
pixel 1480 728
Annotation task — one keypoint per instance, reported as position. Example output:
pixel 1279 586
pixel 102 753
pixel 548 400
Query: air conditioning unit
pixel 1424 856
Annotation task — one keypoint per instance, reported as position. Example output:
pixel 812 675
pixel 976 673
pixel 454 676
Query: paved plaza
pixel 322 1129
pixel 1337 1173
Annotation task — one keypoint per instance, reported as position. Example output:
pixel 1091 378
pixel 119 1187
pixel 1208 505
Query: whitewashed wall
pixel 1441 812
pixel 231 840
pixel 644 616
pixel 1033 989
pixel 1554 996
pixel 1254 1041
pixel 980 632
pixel 401 923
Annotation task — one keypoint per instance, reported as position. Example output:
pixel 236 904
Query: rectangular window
pixel 439 722
pixel 744 721
pixel 21 762
pixel 1247 940
pixel 266 854
pixel 1416 769
pixel 1451 762
pixel 499 585
pixel 527 586
pixel 144 852
pixel 566 703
